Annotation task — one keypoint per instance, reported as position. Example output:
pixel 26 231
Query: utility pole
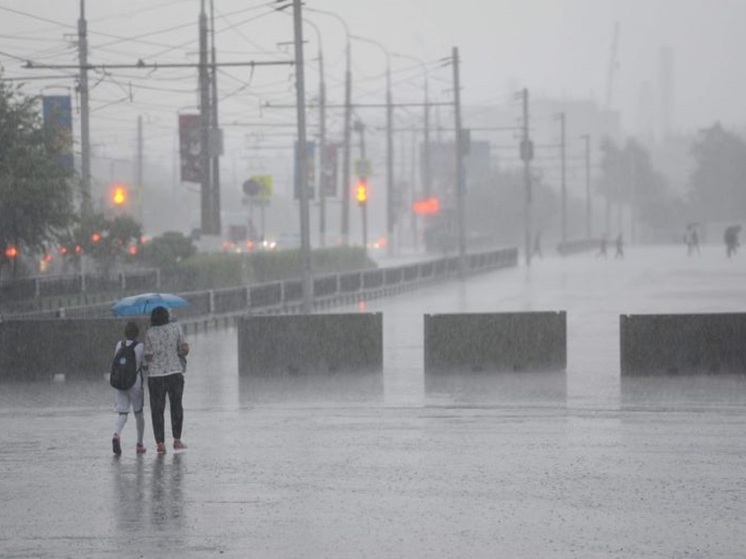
pixel 587 138
pixel 302 163
pixel 389 162
pixel 215 138
pixel 361 189
pixel 389 148
pixel 323 163
pixel 632 197
pixel 564 182
pixel 139 170
pixel 527 153
pixel 459 167
pixel 427 176
pixel 346 172
pixel 413 181
pixel 620 191
pixel 85 138
pixel 208 226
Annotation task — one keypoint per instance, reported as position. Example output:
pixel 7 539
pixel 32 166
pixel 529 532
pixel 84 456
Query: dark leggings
pixel 158 387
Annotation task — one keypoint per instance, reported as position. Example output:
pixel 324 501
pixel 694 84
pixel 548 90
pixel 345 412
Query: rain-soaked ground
pixel 571 464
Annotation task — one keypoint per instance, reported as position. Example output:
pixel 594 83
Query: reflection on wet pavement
pixel 578 463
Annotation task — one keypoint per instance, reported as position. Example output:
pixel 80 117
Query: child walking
pixel 133 397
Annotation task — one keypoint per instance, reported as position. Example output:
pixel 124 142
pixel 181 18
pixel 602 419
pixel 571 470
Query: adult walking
pixel 133 397
pixel 164 344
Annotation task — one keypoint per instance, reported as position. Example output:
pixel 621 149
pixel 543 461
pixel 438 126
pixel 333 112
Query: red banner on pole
pixel 190 146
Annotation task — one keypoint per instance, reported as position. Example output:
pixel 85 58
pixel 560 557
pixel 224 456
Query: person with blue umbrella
pixel 165 345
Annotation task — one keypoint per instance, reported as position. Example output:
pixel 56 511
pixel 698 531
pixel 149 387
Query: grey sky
pixel 554 47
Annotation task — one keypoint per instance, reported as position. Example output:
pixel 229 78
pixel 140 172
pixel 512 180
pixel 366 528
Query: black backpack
pixel 124 367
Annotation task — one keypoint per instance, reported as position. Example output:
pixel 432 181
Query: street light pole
pixel 323 163
pixel 527 154
pixel 346 170
pixel 460 187
pixel 426 170
pixel 302 163
pixel 587 138
pixel 562 119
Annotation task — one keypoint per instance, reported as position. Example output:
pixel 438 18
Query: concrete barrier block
pixel 310 344
pixel 495 342
pixel 673 344
pixel 78 348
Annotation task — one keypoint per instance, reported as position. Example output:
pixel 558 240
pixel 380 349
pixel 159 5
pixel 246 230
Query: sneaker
pixel 160 448
pixel 178 445
pixel 116 447
pixel 140 449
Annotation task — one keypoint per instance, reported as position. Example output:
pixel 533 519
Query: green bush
pixel 218 270
pixel 167 250
pixel 204 271
pixel 286 264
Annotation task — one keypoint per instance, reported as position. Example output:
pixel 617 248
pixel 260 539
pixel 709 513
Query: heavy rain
pixel 421 279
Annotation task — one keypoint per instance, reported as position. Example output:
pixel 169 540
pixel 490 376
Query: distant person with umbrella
pixel 165 345
pixel 731 239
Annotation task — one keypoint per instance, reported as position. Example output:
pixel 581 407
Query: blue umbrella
pixel 144 303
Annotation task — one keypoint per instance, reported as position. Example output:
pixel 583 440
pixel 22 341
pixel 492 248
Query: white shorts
pixel 133 398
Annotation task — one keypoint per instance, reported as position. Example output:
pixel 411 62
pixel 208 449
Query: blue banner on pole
pixel 58 120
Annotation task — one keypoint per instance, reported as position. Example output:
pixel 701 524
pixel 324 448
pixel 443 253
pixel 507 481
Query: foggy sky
pixel 554 47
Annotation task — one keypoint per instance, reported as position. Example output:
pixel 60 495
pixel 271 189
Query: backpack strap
pixel 133 346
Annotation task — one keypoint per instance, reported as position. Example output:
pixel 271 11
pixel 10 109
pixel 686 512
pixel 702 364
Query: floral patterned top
pixel 161 349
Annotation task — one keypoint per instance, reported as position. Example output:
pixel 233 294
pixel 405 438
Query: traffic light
pixel 119 195
pixel 361 192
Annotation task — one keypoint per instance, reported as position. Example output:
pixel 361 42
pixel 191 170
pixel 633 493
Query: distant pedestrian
pixel 164 345
pixel 694 242
pixel 619 247
pixel 133 397
pixel 602 248
pixel 731 240
pixel 537 245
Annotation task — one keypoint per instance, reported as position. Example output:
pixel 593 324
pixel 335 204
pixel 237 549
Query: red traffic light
pixel 427 206
pixel 11 252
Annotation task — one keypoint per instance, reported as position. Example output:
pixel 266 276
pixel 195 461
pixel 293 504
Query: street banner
pixel 58 120
pixel 190 146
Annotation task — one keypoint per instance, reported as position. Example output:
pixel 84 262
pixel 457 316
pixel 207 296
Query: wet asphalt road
pixel 573 464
